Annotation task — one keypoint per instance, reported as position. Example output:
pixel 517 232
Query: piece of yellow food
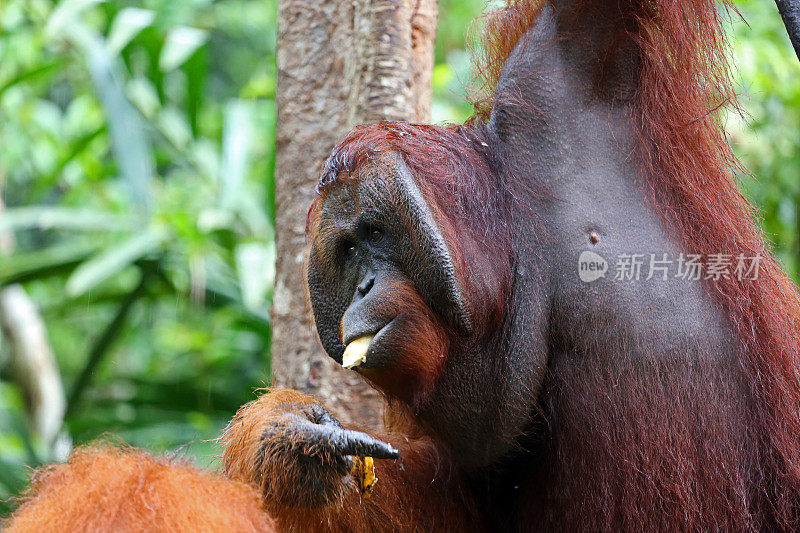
pixel 364 471
pixel 356 352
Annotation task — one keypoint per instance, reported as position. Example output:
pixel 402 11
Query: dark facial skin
pixel 371 271
pixel 578 151
pixel 381 263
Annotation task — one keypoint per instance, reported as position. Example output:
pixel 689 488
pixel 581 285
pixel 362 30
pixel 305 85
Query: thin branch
pixel 790 13
pixel 33 363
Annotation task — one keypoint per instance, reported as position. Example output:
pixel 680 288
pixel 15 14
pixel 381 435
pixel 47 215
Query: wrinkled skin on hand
pixel 296 451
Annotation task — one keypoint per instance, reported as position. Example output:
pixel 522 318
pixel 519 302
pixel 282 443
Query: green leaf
pixel 237 134
pixel 75 149
pixel 25 266
pixel 127 25
pixel 48 217
pixel 112 261
pixel 213 219
pixel 172 123
pixel 66 13
pixel 129 141
pixel 144 96
pixel 29 75
pixel 255 264
pixel 204 155
pixel 180 44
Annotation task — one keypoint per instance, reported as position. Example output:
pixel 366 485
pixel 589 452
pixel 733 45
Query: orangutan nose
pixel 366 284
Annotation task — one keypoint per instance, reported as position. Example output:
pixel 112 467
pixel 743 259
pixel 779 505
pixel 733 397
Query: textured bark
pixel 340 63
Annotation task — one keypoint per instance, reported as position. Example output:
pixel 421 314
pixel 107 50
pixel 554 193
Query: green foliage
pixel 768 137
pixel 137 169
pixel 452 71
pixel 137 163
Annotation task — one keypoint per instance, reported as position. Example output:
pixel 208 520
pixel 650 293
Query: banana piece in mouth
pixel 356 351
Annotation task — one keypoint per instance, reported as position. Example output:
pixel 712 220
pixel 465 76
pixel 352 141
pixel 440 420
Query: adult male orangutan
pixel 540 294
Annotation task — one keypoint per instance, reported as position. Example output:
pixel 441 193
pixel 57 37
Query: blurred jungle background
pixel 136 166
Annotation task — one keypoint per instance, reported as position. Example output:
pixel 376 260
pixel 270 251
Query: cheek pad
pixel 328 303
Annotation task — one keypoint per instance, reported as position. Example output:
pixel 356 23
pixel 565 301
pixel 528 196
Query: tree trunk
pixel 340 63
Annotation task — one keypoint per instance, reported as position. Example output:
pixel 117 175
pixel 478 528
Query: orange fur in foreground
pixel 417 492
pixel 242 437
pixel 103 488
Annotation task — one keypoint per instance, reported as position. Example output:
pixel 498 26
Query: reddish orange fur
pixel 242 437
pixel 416 493
pixel 104 488
pixel 689 176
pixel 458 190
pixel 416 365
pixel 689 171
pixel 502 30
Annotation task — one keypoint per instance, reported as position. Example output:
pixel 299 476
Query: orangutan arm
pixel 289 446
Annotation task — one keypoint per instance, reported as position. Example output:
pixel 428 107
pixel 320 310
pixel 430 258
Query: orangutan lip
pixel 375 332
pixel 368 359
pixel 376 341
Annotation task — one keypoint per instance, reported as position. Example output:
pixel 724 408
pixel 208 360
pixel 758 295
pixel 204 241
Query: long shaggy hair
pixel 108 488
pixel 689 171
pixel 648 428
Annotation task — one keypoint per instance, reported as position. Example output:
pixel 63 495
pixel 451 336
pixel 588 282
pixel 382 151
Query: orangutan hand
pixel 303 457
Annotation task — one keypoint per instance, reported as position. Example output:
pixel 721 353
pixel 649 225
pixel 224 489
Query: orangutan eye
pixel 348 249
pixel 376 235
